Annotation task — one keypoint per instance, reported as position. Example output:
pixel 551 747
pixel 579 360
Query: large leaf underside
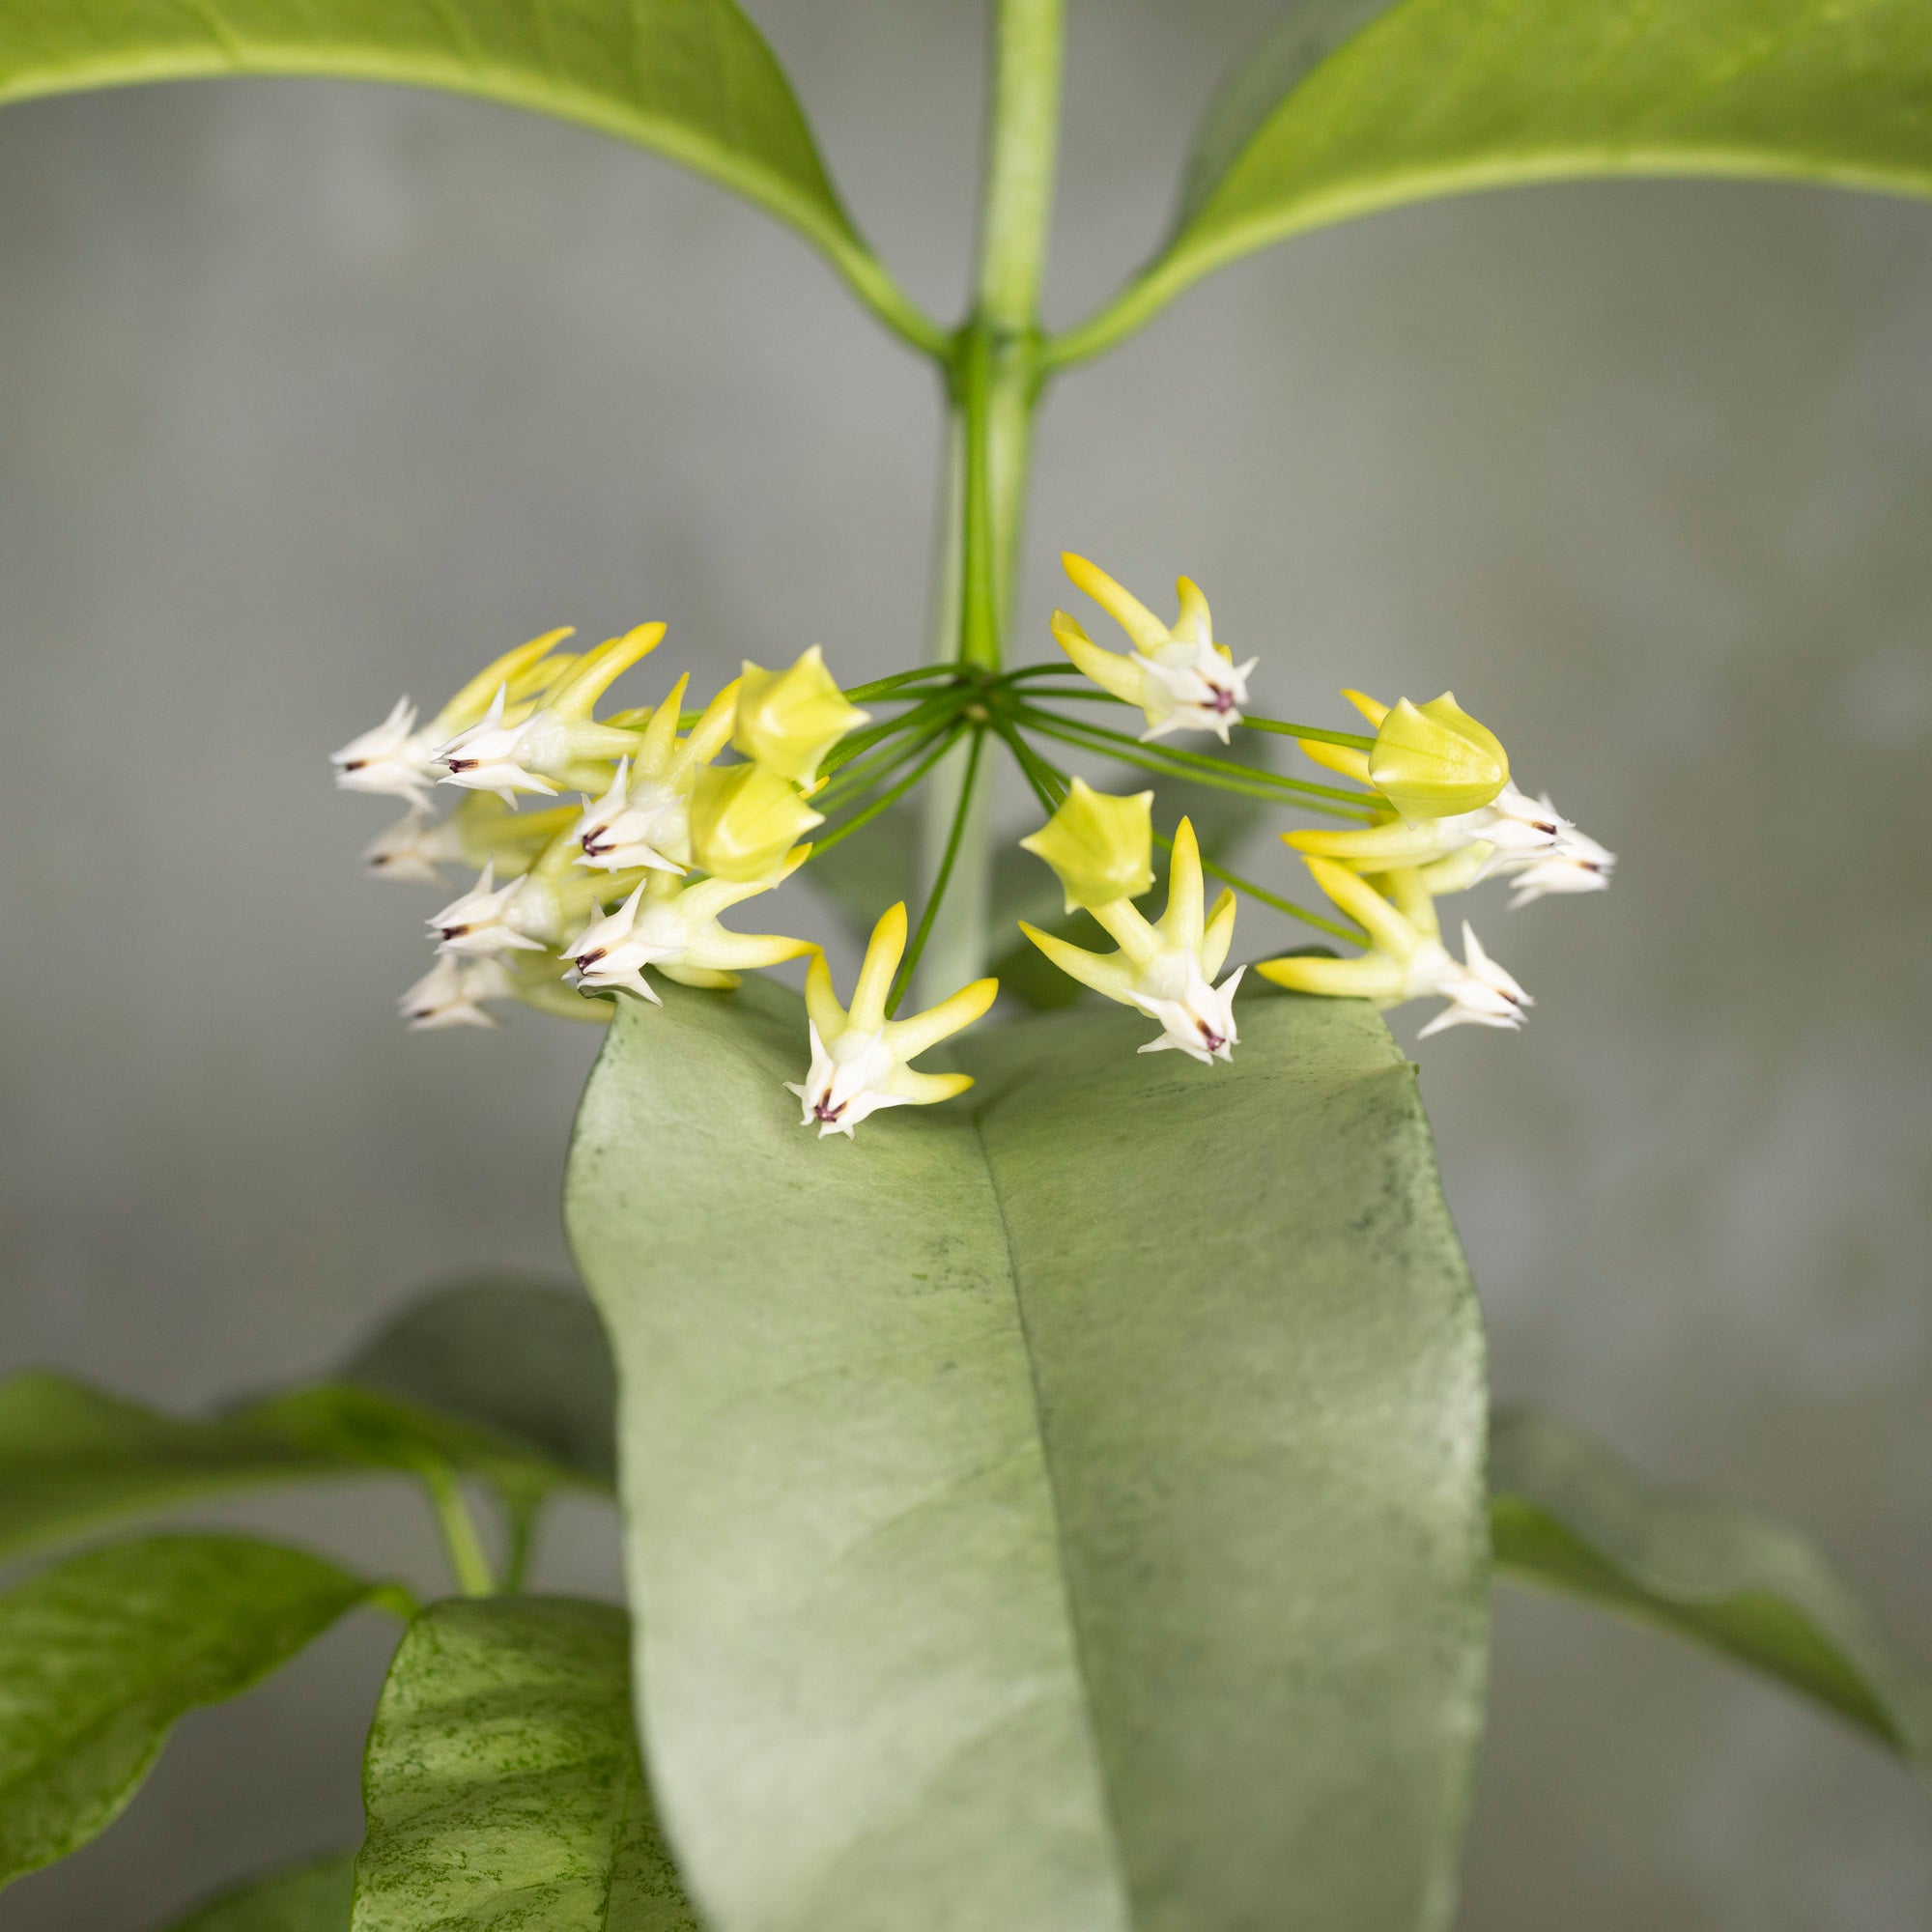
pixel 1059 1510
pixel 690 78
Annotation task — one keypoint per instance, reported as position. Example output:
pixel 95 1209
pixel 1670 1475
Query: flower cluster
pixel 574 906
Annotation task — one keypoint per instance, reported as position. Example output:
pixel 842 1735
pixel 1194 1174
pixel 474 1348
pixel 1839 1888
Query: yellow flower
pixel 744 820
pixel 1101 847
pixel 1181 678
pixel 1166 970
pixel 859 1058
pixel 644 817
pixel 790 718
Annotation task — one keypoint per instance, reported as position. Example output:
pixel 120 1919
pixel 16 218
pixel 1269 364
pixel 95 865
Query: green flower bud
pixel 1433 760
pixel 790 718
pixel 744 820
pixel 1101 847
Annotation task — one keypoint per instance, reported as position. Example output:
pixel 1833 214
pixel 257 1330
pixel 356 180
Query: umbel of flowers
pixel 684 816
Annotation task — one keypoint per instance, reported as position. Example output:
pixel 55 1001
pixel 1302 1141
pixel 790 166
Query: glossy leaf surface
pixel 1569 1516
pixel 1355 105
pixel 309 1897
pixel 692 79
pixel 502 1782
pixel 1061 1509
pixel 100 1655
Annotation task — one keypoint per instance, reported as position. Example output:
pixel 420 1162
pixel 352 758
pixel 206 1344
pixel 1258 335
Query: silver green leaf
pixel 309 1897
pixel 1355 105
pixel 692 79
pixel 1061 1511
pixel 1569 1516
pixel 100 1655
pixel 502 1782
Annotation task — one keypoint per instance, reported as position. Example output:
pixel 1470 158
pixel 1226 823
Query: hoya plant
pixel 1039 1380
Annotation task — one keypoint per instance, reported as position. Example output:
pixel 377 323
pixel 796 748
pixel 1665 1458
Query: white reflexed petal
pixel 414 850
pixel 1191 687
pixel 505 758
pixel 453 992
pixel 490 919
pixel 647 824
pixel 1577 864
pixel 1479 991
pixel 846 1081
pixel 391 757
pixel 613 950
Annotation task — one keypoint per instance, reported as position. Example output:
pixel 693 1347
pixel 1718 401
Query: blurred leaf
pixel 692 79
pixel 523 1358
pixel 313 1896
pixel 1354 105
pixel 510 1381
pixel 1569 1516
pixel 1061 1509
pixel 502 1782
pixel 100 1657
pixel 875 868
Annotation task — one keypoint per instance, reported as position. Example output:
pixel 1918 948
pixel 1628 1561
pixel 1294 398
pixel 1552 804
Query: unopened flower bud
pixel 1433 760
pixel 745 819
pixel 789 720
pixel 1101 847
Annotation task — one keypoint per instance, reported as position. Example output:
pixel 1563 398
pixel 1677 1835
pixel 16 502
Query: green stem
pixel 888 798
pixel 884 687
pixel 1036 772
pixel 1352 740
pixel 932 710
pixel 519 1517
pixel 460 1540
pixel 969 785
pixel 995 386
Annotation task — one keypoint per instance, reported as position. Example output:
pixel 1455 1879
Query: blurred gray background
pixel 314 393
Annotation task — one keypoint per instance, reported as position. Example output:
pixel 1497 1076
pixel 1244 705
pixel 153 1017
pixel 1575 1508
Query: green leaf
pixel 692 79
pixel 506 1380
pixel 1569 1516
pixel 502 1782
pixel 1062 1508
pixel 1355 105
pixel 100 1657
pixel 309 1897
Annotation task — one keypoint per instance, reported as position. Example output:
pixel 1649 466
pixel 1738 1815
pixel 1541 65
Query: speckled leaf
pixel 1354 105
pixel 1568 1515
pixel 100 1657
pixel 690 78
pixel 309 1897
pixel 507 1380
pixel 502 1782
pixel 1061 1511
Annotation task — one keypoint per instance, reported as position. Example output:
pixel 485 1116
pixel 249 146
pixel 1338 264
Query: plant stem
pixel 995 375
pixel 886 799
pixel 519 1516
pixel 969 785
pixel 1352 740
pixel 460 1540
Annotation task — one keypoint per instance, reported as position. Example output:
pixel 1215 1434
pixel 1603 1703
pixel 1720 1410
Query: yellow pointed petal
pixel 1365 978
pixel 1108 973
pixel 910 1038
pixel 1386 926
pixel 1375 848
pixel 1126 609
pixel 660 739
pixel 883 952
pixel 1457 872
pixel 576 696
pixel 703 976
pixel 1124 676
pixel 1218 935
pixel 1404 885
pixel 537 680
pixel 727 951
pixel 1371 708
pixel 1129 928
pixel 1194 619
pixel 1185 894
pixel 821 1001
pixel 710 735
pixel 473 700
pixel 921 1090
pixel 1343 758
